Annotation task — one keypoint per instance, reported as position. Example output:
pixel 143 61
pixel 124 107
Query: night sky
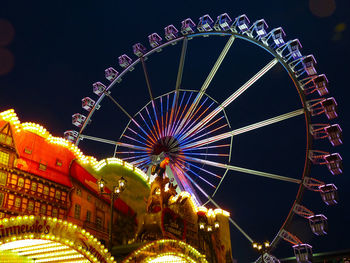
pixel 54 51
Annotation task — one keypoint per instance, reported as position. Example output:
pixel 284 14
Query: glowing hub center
pixel 167 144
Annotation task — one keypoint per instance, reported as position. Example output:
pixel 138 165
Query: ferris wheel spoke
pixel 177 125
pixel 214 203
pixel 207 133
pixel 153 133
pixel 249 83
pixel 139 126
pixel 145 72
pixel 156 118
pixel 161 116
pixel 208 154
pixel 221 180
pixel 178 110
pixel 234 96
pixel 131 146
pixel 166 116
pixel 268 122
pixel 181 64
pixel 127 114
pixel 205 170
pixel 133 157
pixel 142 161
pixel 207 141
pixel 207 147
pixel 118 105
pixel 245 129
pixel 183 182
pixel 172 114
pixel 179 78
pixel 244 170
pixel 129 152
pixel 203 179
pixel 234 223
pixel 135 140
pixel 97 139
pixel 208 80
pixel 137 134
pixel 190 122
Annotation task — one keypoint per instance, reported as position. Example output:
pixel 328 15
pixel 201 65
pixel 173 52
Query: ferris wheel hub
pixel 168 145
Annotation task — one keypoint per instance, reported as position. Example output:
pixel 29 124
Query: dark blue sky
pixel 61 48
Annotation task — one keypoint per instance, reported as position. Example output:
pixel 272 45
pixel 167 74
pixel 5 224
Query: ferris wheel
pixel 192 128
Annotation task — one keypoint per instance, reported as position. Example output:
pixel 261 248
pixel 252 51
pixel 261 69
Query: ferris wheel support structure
pixel 193 129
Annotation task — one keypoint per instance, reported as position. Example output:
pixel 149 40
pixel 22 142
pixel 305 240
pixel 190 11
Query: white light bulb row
pixel 77 256
pixel 44 250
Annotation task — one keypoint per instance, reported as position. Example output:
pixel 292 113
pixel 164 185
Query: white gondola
pixel 98 88
pixel 87 103
pixel 171 32
pixel 223 22
pixel 329 194
pixel 139 50
pixel 278 35
pixel 318 224
pixel 309 63
pixel 243 23
pixel 321 84
pixel 71 135
pixel 335 134
pixel 314 83
pixel 303 253
pixel 205 23
pixel 111 74
pixel 294 47
pixel 124 61
pixel 187 26
pixel 78 119
pixel 154 40
pixel 328 106
pixel 259 27
pixel 334 163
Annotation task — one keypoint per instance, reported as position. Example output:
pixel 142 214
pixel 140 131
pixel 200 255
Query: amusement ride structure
pixel 193 130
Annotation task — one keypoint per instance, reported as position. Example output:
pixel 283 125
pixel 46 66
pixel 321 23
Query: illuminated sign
pixel 48 228
pixel 173 226
pixel 166 250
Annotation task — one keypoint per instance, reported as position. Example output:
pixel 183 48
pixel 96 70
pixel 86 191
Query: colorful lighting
pixel 48 239
pixel 192 254
pixel 11 116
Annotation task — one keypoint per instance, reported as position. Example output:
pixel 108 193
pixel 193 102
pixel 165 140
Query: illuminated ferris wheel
pixel 193 129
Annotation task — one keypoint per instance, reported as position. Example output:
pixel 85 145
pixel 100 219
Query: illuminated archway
pixel 166 250
pixel 48 239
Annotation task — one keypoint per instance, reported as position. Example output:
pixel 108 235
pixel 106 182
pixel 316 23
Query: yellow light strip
pixel 25 244
pixel 57 254
pixel 11 117
pixel 171 242
pixel 170 257
pixel 44 250
pixel 55 258
pixel 208 212
pixel 30 248
pixel 41 246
